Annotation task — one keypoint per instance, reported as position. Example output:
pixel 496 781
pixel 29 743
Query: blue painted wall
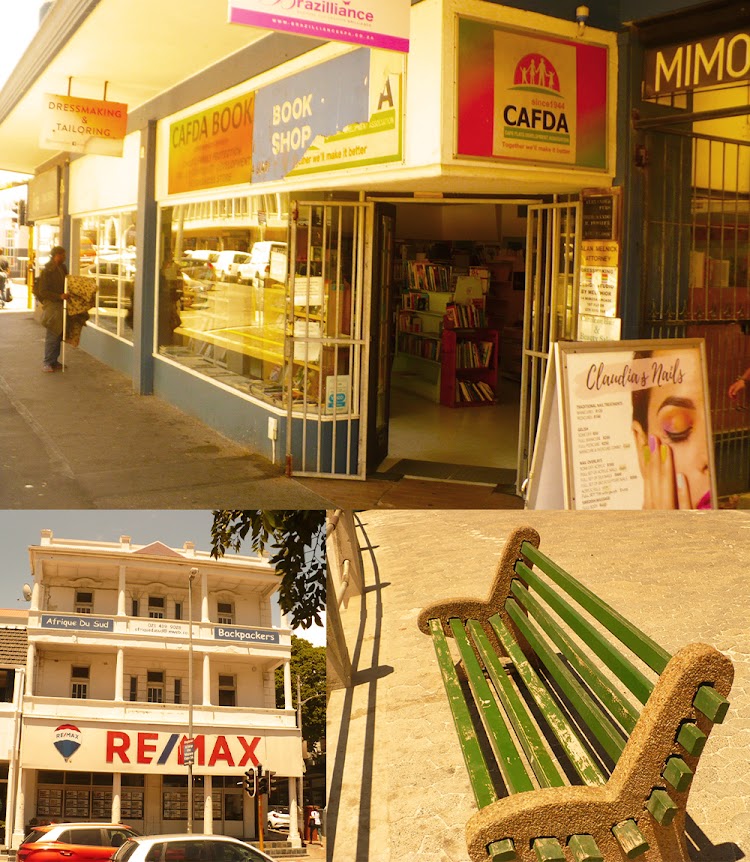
pixel 243 421
pixel 113 352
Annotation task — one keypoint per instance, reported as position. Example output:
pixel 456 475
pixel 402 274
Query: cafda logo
pixel 535 73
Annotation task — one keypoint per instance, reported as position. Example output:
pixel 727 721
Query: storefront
pixel 84 771
pixel 688 190
pixel 253 250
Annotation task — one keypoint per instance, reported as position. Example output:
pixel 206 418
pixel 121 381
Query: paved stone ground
pixel 397 784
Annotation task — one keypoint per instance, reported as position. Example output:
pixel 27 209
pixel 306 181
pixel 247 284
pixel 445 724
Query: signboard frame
pixel 549 468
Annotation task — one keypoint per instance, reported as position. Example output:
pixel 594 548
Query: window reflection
pixel 221 291
pixel 106 252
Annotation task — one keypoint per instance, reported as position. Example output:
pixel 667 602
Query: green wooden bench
pixel 580 734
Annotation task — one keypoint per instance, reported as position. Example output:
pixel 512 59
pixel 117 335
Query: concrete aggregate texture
pixel 397 783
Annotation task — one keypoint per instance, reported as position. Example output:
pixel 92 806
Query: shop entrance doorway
pixel 447 331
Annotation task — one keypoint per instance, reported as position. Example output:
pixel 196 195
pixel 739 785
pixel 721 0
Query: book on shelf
pixel 414 301
pixel 458 316
pixel 474 391
pixel 425 348
pixel 473 354
pixel 427 276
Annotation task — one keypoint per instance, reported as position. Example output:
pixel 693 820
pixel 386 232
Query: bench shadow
pixel 702 849
pixel 361 675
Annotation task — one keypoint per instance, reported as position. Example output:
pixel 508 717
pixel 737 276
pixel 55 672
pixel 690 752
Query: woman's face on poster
pixel 677 419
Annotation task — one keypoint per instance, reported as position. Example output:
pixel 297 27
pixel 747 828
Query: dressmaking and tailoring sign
pixel 213 148
pixel 636 425
pixel 148 748
pixel 83 125
pixel 529 97
pixel 375 23
pixel 344 113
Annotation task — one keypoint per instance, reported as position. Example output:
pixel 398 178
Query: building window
pixel 107 253
pixel 155 687
pixel 178 691
pixel 84 602
pixel 178 610
pixel 134 608
pixel 227 691
pixel 79 682
pixel 133 688
pixel 156 607
pixel 225 613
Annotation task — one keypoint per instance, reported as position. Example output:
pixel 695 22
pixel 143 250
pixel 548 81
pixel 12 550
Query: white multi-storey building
pixel 108 693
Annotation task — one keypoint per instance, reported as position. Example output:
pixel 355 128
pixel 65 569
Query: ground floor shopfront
pixel 276 259
pixel 136 775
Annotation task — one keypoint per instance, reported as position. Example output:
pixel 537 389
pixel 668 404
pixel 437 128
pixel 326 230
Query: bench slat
pixel 641 644
pixel 711 703
pixel 584 849
pixel 528 735
pixel 620 707
pixel 479 776
pixel 599 723
pixel 583 763
pixel 508 759
pixel 630 838
pixel 501 851
pixel 678 773
pixel 549 850
pixel 615 661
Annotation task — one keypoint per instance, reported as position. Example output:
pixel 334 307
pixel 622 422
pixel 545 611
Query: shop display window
pixel 230 298
pixel 104 249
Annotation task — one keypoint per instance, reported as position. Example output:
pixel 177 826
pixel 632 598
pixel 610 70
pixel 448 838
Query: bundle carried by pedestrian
pixel 81 291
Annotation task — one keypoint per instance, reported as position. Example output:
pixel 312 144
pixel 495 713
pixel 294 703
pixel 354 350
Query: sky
pixel 20 21
pixel 19 529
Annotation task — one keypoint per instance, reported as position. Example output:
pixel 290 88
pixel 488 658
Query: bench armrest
pixel 478 609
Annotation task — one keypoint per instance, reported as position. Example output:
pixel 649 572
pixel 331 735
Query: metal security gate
pixel 327 338
pixel 550 310
pixel 696 280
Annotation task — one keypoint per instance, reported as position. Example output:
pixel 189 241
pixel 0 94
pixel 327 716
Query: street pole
pixel 193 573
pixel 300 798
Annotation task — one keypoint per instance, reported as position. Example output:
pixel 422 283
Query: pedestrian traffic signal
pixel 251 782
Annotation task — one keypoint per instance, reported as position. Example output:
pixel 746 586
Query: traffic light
pixel 271 782
pixel 263 785
pixel 251 782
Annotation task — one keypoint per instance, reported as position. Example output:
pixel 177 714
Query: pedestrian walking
pixel 50 291
pixel 314 826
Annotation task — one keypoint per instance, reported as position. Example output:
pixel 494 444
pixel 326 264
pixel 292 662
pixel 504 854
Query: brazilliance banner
pixel 374 23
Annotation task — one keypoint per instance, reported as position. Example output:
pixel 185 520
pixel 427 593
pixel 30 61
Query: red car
pixel 74 842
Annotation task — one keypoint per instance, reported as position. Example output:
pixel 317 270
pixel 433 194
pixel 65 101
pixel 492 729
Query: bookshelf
pixel 469 367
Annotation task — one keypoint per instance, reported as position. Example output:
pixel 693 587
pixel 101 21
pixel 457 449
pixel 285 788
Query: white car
pixel 188 848
pixel 278 820
pixel 227 263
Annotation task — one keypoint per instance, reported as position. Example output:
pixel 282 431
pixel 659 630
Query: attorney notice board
pixel 624 425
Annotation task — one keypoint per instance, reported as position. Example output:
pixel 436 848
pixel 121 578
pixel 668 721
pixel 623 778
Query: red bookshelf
pixel 469 367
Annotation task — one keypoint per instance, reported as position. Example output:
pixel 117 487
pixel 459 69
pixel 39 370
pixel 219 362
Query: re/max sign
pixel 159 748
pixel 711 61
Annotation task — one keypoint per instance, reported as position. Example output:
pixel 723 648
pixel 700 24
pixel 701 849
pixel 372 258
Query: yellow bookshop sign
pixel 213 148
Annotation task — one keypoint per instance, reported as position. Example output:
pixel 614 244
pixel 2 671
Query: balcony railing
pixel 109 711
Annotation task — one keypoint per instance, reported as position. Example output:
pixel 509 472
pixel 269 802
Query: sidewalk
pixel 83 440
pixel 398 788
